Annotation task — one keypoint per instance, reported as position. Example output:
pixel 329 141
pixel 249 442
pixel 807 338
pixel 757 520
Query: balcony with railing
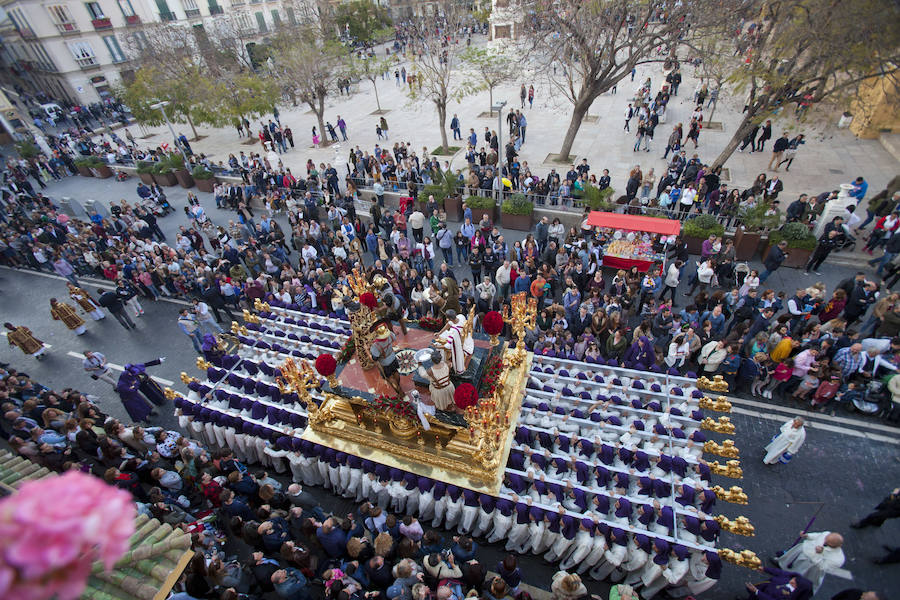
pixel 236 3
pixel 67 28
pixel 167 16
pixel 27 33
pixel 192 13
pixel 133 20
pixel 87 62
pixel 215 9
pixel 102 23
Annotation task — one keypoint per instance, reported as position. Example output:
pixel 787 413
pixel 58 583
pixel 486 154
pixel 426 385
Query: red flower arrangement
pixel 492 323
pixel 326 365
pixel 465 396
pixel 368 300
pixel 394 405
pixel 431 323
pixel 346 352
pixel 490 377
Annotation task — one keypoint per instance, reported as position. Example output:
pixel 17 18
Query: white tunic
pixel 789 440
pixel 809 563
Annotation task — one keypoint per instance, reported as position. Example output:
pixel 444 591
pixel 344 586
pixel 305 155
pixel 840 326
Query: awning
pixel 634 223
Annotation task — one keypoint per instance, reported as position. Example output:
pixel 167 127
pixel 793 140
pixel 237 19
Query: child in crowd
pixel 763 377
pixel 826 391
pixel 809 383
pixel 780 375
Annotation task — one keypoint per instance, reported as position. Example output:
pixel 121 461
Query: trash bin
pixel 845 120
pixel 65 206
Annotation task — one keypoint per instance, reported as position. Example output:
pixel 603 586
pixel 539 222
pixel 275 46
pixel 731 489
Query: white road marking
pixel 116 367
pixel 824 426
pixel 90 281
pixel 813 415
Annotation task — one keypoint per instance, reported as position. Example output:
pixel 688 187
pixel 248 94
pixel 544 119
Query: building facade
pixel 76 51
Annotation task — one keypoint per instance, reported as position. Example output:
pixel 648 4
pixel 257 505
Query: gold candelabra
pixel 723 425
pixel 720 404
pixel 521 315
pixel 185 379
pixel 203 364
pixel 170 394
pixel 726 449
pixel 259 305
pixel 487 426
pixel 249 317
pixel 299 379
pixel 734 494
pixel 731 468
pixel 238 329
pixel 744 558
pixel 717 384
pixel 740 526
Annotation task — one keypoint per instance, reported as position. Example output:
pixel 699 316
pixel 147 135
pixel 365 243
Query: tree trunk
pixel 442 120
pixel 578 112
pixel 375 87
pixel 739 134
pixel 491 98
pixel 713 111
pixel 319 109
pixel 193 129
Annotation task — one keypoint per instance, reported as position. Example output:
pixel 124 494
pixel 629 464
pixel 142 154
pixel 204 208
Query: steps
pixel 891 143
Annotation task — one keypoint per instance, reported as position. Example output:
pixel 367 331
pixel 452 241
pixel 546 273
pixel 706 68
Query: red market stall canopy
pixel 634 223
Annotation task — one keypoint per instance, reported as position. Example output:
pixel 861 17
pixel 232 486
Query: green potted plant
pixel 800 243
pixel 183 176
pixel 516 212
pixel 83 164
pixel 205 179
pixel 145 171
pixel 597 199
pixel 695 230
pixel 163 175
pixel 753 223
pixel 444 188
pixel 482 205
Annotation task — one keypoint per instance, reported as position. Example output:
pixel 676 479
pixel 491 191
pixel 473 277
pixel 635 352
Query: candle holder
pixel 520 314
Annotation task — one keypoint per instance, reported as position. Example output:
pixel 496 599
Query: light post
pixel 499 108
pixel 161 106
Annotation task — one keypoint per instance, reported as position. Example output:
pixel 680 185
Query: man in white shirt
pixel 96 366
pixel 815 556
pixel 205 318
pixel 416 222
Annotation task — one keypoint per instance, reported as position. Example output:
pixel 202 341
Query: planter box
pixel 165 179
pixel 102 172
pixel 694 244
pixel 796 258
pixel 453 208
pixel 206 185
pixel 146 178
pixel 517 222
pixel 478 212
pixel 85 171
pixel 746 244
pixel 185 179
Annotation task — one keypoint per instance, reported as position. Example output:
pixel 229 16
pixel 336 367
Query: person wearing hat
pixel 382 350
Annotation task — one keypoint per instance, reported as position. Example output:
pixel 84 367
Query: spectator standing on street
pixel 781 144
pixel 111 302
pixel 773 261
pixel 189 327
pixel 96 366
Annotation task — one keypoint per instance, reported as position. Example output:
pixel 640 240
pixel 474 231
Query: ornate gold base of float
pixel 467 457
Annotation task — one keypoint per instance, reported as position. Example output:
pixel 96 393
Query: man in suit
pixel 111 302
pixel 781 585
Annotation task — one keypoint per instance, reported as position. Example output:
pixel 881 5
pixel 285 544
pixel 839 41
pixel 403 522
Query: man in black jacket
pixel 214 299
pixel 111 302
pixel 827 242
pixel 781 144
pixel 891 249
pixel 776 256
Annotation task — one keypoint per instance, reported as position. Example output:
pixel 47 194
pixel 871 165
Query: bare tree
pixel 804 52
pixel 310 67
pixel 435 62
pixel 595 44
pixel 372 68
pixel 490 66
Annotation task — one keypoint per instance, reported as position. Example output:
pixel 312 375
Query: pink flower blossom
pixel 53 529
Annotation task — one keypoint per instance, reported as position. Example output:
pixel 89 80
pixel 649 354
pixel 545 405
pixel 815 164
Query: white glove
pixel 162 359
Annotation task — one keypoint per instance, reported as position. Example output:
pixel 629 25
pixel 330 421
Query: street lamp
pixel 161 106
pixel 499 108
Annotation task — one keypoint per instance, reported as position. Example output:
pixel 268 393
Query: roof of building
pixel 158 554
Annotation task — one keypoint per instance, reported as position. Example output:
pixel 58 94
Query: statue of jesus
pixel 455 341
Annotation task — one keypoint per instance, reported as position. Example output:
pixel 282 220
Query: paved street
pixel 848 463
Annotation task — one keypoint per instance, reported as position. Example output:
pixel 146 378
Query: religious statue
pixel 456 340
pixel 439 384
pixel 382 350
pixel 449 296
